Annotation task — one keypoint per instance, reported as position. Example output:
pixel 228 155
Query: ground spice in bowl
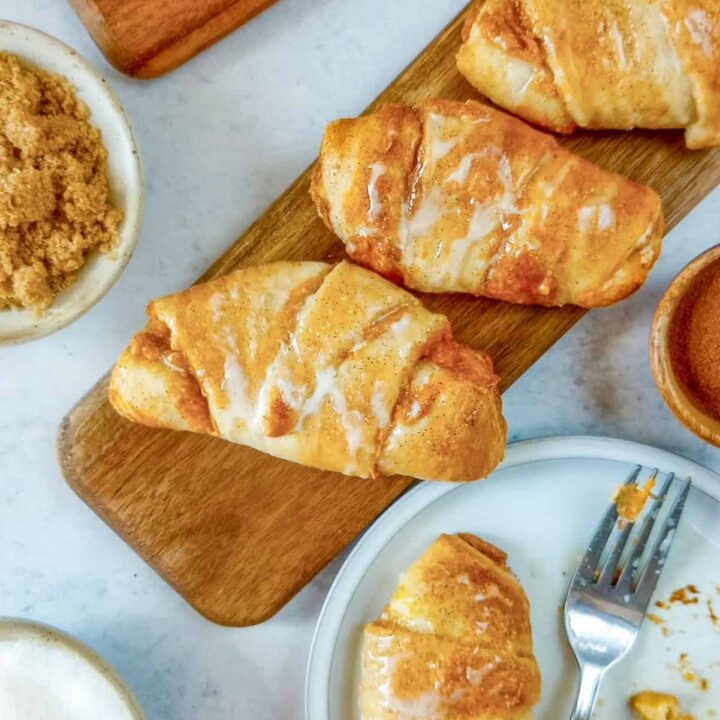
pixel 55 200
pixel 694 339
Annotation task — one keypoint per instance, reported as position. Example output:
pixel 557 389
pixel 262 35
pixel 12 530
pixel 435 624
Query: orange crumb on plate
pixel 649 705
pixel 630 500
pixel 684 595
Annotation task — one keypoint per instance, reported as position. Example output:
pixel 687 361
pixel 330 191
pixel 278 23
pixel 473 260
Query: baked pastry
pixel 331 367
pixel 459 197
pixel 649 705
pixel 599 63
pixel 454 642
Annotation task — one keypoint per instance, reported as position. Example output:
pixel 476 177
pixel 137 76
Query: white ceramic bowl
pixel 101 270
pixel 48 656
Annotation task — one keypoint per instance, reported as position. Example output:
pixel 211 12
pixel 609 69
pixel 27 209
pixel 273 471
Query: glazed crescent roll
pixel 458 197
pixel 331 367
pixel 599 63
pixel 454 642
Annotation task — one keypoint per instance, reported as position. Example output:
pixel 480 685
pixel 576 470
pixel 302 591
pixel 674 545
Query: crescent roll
pixel 599 63
pixel 459 197
pixel 454 642
pixel 331 367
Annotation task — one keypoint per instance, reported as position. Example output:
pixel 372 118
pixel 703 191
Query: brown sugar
pixel 55 205
pixel 694 339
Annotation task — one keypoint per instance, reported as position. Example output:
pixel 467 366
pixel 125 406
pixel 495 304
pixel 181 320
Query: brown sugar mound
pixel 55 205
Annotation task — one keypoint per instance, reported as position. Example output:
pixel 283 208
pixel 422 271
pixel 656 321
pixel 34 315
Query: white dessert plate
pixel 101 270
pixel 541 506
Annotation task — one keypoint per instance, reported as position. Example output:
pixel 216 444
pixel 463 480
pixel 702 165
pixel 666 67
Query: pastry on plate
pixel 599 63
pixel 328 366
pixel 459 197
pixel 454 642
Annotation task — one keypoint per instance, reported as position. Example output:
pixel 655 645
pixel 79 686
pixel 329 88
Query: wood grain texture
pixel 147 38
pixel 238 533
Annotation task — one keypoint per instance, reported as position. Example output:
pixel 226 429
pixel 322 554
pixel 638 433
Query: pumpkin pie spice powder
pixel 694 339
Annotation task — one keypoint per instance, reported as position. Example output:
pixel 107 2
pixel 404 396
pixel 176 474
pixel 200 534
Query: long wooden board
pixel 238 533
pixel 147 38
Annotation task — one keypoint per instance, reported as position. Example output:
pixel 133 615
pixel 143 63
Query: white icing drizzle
pixel 460 174
pixel 602 214
pixel 168 363
pixel 293 395
pixel 379 406
pixel 235 386
pixel 606 217
pixel 492 592
pixel 401 325
pixel 476 675
pixel 619 42
pixel 428 704
pixel 440 148
pixel 216 303
pixel 427 214
pixel 365 231
pixel 415 410
pixel 377 170
pixel 585 214
pixel 520 75
pixel 326 386
pixel 700 29
pixel 481 627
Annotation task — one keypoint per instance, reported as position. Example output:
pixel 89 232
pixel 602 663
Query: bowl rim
pixel 705 426
pixel 134 209
pixel 70 643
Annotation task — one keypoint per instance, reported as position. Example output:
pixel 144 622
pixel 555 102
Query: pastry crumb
pixel 650 705
pixel 55 205
pixel 630 500
pixel 714 618
pixel 686 595
pixel 689 675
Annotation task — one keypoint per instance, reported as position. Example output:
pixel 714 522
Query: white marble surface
pixel 221 138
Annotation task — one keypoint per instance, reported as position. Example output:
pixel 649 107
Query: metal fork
pixel 607 600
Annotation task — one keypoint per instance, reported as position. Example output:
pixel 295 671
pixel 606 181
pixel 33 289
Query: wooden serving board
pixel 238 533
pixel 147 38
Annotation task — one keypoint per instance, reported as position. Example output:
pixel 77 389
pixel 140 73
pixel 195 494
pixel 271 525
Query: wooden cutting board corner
pixel 148 38
pixel 238 533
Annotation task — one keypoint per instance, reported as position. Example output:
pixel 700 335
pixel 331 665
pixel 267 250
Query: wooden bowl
pixel 684 406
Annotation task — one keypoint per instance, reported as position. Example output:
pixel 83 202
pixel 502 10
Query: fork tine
pixel 628 572
pixel 610 566
pixel 649 577
pixel 590 561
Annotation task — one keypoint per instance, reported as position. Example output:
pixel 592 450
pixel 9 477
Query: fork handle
pixel 590 678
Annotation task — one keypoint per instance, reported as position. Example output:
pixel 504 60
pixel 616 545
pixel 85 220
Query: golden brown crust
pixel 502 57
pixel 455 640
pixel 175 398
pixel 600 64
pixel 390 137
pixel 490 207
pixel 312 363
